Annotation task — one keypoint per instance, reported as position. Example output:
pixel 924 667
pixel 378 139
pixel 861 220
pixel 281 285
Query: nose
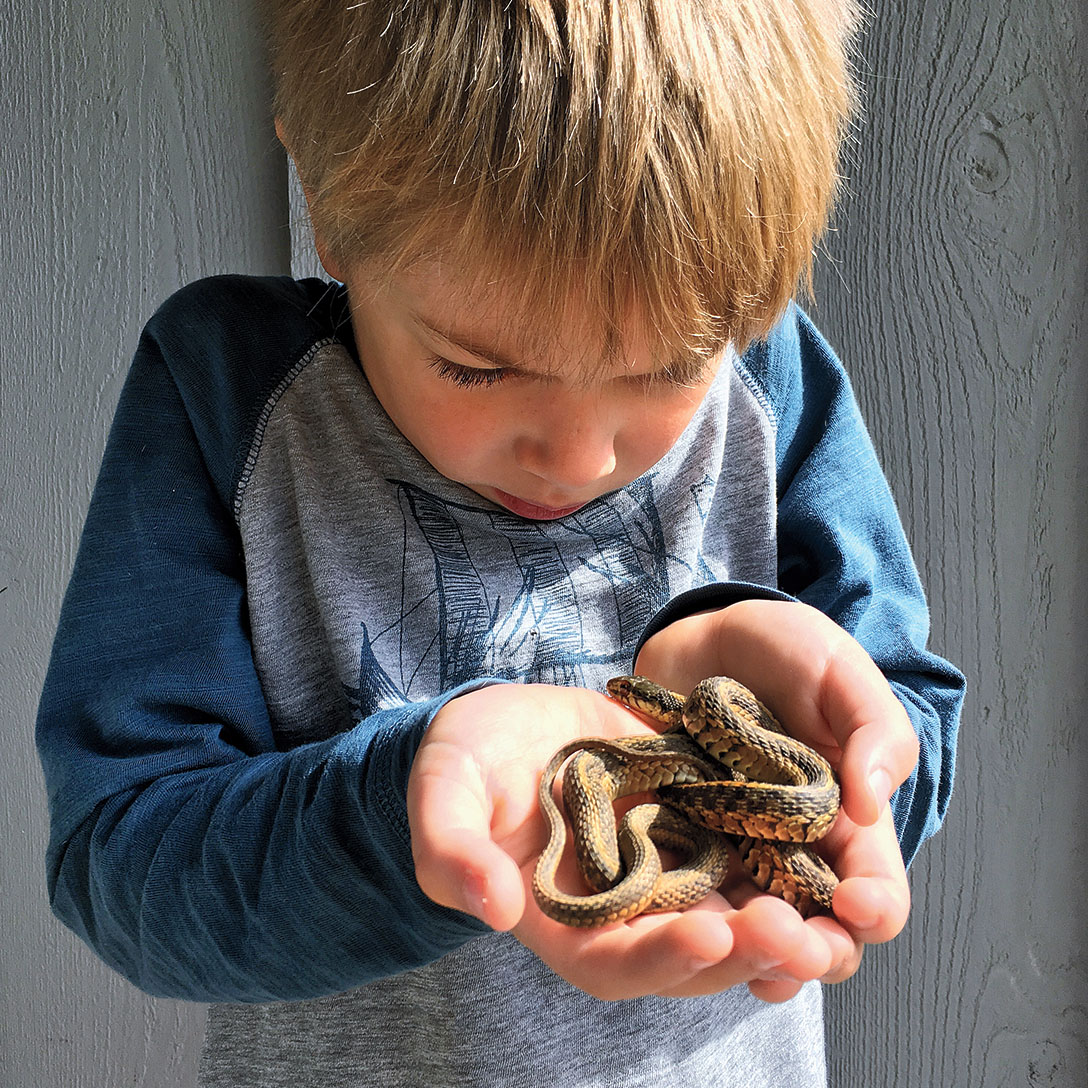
pixel 571 445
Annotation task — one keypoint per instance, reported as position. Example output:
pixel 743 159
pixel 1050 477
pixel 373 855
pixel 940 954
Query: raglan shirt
pixel 273 596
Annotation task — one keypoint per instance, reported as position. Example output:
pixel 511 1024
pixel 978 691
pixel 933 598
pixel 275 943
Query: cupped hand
pixel 825 690
pixel 477 833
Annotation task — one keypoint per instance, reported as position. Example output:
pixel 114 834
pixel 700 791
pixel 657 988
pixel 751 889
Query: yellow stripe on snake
pixel 732 772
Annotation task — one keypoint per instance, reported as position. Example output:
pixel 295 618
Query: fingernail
pixel 701 963
pixel 880 782
pixel 865 919
pixel 767 965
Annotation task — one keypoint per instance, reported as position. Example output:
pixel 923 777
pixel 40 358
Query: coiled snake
pixel 732 773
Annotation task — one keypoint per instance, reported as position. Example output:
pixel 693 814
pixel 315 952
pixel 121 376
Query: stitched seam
pixel 757 391
pixel 266 413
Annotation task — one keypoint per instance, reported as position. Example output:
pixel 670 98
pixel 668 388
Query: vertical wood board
pixel 138 155
pixel 958 300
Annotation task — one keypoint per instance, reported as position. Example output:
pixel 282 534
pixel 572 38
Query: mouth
pixel 531 510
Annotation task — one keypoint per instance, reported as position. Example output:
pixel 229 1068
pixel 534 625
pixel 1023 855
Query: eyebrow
pixel 470 346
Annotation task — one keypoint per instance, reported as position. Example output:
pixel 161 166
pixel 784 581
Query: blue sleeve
pixel 842 549
pixel 191 854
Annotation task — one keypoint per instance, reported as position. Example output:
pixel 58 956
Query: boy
pixel 361 557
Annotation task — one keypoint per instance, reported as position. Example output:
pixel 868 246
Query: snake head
pixel 648 698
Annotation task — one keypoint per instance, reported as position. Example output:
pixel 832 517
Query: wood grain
pixel 138 155
pixel 958 299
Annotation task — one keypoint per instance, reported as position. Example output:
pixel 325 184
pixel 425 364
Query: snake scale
pixel 723 771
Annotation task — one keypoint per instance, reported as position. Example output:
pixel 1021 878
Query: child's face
pixel 509 411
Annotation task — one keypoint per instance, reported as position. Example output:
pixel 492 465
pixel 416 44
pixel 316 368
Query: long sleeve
pixel 842 549
pixel 196 858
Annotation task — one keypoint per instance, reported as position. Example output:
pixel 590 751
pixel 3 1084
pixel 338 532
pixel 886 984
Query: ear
pixel 331 265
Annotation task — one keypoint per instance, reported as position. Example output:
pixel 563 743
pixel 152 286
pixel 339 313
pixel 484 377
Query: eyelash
pixel 470 377
pixel 467 377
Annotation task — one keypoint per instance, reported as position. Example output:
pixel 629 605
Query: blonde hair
pixel 681 155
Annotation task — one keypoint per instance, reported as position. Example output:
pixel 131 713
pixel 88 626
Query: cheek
pixel 453 433
pixel 651 433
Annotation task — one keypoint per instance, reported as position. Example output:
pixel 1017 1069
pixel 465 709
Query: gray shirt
pixel 374 581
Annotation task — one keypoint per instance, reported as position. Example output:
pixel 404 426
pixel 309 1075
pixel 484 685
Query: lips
pixel 531 510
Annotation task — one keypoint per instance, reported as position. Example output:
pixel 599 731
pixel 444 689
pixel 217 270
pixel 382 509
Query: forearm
pixel 276 876
pixel 196 847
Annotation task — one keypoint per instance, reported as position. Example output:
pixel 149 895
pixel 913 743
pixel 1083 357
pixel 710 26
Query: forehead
pixel 511 320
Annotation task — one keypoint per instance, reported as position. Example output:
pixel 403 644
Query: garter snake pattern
pixel 724 770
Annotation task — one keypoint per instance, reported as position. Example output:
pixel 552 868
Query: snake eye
pixel 647 697
pixel 619 686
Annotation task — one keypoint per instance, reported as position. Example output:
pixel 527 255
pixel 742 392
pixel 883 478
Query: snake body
pixel 732 774
pixel 623 865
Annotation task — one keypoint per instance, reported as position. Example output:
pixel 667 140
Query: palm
pixel 477 833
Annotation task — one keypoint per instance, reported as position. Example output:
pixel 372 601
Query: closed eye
pixel 466 376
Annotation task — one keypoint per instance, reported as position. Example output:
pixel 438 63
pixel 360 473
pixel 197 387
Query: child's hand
pixel 477 833
pixel 826 690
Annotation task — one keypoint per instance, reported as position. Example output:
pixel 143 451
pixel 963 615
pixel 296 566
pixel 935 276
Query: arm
pixel 838 649
pixel 842 550
pixel 203 862
pixel 195 857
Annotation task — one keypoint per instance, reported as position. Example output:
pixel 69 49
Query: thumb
pixel 457 863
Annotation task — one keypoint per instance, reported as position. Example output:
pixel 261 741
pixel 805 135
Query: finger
pixel 878 742
pixel 831 955
pixel 457 863
pixel 847 966
pixel 846 951
pixel 769 939
pixel 647 955
pixel 830 951
pixel 872 900
pixel 878 758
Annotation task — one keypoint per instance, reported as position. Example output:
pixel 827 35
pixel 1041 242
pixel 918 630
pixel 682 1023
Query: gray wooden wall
pixel 960 301
pixel 138 155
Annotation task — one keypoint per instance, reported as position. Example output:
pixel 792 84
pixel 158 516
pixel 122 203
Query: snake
pixel 724 772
